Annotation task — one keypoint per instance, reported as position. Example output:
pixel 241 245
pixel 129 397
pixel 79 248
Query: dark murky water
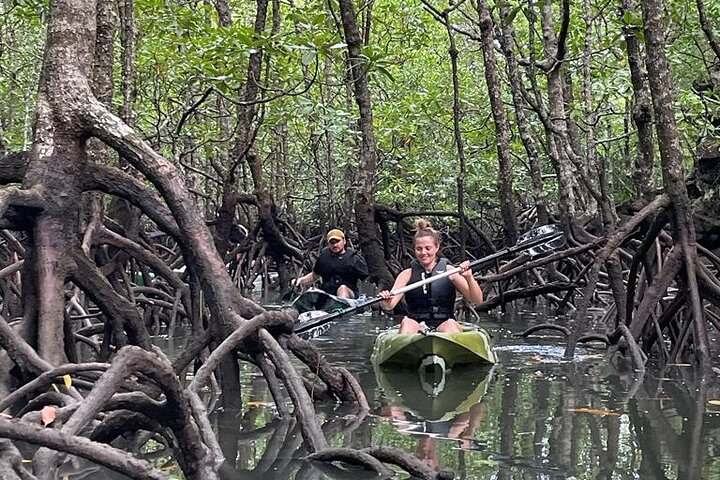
pixel 533 416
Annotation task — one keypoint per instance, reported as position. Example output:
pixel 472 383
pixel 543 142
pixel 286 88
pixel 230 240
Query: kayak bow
pixel 471 346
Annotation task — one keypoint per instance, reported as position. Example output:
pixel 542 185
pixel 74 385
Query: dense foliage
pixel 306 133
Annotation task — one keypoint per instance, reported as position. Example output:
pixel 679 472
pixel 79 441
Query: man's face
pixel 337 245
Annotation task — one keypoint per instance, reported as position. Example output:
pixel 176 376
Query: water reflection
pixel 535 416
pixel 435 404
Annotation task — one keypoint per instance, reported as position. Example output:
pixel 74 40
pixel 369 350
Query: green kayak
pixel 471 346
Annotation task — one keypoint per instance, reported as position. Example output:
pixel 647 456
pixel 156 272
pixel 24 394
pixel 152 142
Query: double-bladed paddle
pixel 542 239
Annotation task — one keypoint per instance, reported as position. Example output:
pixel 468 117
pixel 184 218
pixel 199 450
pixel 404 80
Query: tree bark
pixel 502 127
pixel 367 168
pixel 671 158
pixel 641 109
pixel 507 39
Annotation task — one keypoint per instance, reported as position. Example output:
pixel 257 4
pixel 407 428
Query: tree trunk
pixel 507 39
pixel 556 116
pixel 671 158
pixel 502 127
pixel 367 168
pixel 642 108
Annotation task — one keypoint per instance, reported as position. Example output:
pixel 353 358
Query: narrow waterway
pixel 534 415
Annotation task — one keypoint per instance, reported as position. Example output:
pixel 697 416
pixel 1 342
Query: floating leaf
pixel 594 411
pixel 67 380
pixel 48 414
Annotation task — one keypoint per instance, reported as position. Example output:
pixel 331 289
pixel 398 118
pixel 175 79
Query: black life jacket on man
pixel 344 269
pixel 434 302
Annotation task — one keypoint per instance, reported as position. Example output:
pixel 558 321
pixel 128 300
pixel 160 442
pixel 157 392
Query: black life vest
pixel 434 302
pixel 336 270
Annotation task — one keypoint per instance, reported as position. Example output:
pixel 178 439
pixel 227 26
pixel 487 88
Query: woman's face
pixel 426 250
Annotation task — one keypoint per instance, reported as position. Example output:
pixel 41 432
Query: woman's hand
pixel 465 270
pixel 385 294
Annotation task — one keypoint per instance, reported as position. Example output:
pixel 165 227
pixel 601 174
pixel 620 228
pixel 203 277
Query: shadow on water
pixel 535 415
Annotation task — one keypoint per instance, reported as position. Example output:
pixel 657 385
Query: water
pixel 535 415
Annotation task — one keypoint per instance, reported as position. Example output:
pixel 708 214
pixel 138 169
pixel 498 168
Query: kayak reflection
pixel 433 393
pixel 435 403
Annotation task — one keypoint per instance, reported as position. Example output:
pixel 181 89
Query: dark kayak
pixel 315 303
pixel 320 300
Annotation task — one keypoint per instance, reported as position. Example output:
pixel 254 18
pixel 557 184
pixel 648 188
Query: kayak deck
pixel 315 299
pixel 471 346
pixel 315 304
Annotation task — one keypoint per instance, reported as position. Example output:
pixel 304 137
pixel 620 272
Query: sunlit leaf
pixel 48 415
pixel 309 57
pixel 67 380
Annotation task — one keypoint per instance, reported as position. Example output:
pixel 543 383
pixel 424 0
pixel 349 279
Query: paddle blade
pixel 539 235
pixel 308 328
pixel 554 243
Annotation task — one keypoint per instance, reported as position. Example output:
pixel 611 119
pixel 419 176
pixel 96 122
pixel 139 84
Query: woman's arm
pixel 389 300
pixel 466 284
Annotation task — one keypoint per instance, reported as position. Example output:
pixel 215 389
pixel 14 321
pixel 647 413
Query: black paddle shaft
pixel 533 238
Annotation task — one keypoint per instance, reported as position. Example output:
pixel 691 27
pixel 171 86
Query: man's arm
pixel 307 279
pixel 310 278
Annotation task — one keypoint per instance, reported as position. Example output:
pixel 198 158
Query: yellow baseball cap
pixel 335 234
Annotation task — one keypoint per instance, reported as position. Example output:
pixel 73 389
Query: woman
pixel 434 302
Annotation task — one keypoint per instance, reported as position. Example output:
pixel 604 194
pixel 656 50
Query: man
pixel 339 267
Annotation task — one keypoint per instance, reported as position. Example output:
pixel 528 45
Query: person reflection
pixel 460 428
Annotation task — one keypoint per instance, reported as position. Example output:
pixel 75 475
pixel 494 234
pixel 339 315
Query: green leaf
pixel 385 72
pixel 309 57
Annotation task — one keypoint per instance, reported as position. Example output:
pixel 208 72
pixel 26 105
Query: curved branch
pixel 411 464
pixel 88 277
pixel 10 269
pixel 197 242
pixel 131 360
pixel 354 457
pixel 360 397
pixel 22 354
pixel 282 318
pixel 114 181
pixel 707 30
pixel 545 326
pixel 306 416
pixel 47 378
pixel 594 337
pixel 99 453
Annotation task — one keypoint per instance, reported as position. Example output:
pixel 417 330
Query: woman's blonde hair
pixel 423 228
